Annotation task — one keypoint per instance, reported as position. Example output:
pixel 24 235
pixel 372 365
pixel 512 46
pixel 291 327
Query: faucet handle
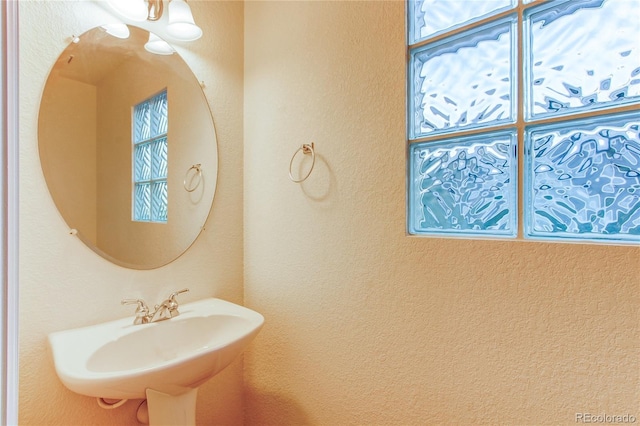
pixel 142 310
pixel 140 302
pixel 173 295
pixel 172 303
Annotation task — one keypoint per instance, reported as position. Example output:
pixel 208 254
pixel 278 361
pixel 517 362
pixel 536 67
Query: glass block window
pixel 464 186
pixel 551 88
pixel 431 17
pixel 582 55
pixel 150 125
pixel 583 179
pixel 447 94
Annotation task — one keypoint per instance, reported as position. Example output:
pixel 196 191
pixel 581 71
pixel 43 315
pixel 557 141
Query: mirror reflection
pixel 128 147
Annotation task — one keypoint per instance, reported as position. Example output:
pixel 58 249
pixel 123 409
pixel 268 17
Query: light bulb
pixel 181 24
pixel 158 46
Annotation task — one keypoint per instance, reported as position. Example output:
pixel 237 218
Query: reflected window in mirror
pixel 150 125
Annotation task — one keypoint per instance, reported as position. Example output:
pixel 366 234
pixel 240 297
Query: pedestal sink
pixel 163 361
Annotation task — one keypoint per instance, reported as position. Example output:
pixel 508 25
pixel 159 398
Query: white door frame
pixel 9 217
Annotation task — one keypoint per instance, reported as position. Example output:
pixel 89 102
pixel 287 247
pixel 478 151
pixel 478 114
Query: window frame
pixel 152 180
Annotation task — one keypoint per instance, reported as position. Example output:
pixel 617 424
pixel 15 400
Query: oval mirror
pixel 128 147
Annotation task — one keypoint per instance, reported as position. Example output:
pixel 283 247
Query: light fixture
pixel 158 46
pixel 180 26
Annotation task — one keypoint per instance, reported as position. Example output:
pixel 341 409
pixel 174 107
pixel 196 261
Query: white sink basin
pixel 120 360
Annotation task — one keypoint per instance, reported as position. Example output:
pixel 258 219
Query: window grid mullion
pixel 150 140
pixel 489 128
pixel 520 125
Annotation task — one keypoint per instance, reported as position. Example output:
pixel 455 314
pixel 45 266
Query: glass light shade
pixel 117 30
pixel 136 10
pixel 158 46
pixel 181 24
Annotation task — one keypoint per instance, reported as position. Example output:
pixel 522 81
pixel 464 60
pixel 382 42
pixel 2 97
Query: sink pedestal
pixel 174 410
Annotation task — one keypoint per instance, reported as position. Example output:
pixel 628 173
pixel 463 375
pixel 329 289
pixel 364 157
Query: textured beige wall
pixel 368 326
pixel 63 284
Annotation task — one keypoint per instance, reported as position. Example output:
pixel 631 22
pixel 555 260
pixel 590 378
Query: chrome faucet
pixel 142 311
pixel 165 310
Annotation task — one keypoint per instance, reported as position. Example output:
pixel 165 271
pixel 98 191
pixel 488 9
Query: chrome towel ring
pixel 195 179
pixel 306 149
